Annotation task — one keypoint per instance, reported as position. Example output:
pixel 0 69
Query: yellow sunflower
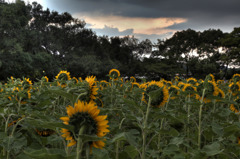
pixel 161 94
pixel 236 77
pixel 232 106
pixel 174 90
pixel 192 81
pixel 234 88
pixel 27 83
pixel 188 87
pixel 133 79
pixel 85 114
pixel 91 89
pixel 75 80
pixel 63 75
pixel 135 84
pixel 220 82
pixel 212 88
pixel 114 74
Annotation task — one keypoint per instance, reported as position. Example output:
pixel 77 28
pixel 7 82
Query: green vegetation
pixel 71 118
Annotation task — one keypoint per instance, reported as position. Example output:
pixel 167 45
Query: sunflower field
pixel 75 118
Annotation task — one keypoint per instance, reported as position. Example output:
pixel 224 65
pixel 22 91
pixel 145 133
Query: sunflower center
pixel 79 119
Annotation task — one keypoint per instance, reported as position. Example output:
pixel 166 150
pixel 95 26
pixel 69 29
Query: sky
pixel 150 19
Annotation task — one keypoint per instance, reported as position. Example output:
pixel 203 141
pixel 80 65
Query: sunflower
pixel 45 79
pixel 236 77
pixel 188 87
pixel 114 74
pixel 181 85
pixel 174 90
pixel 92 91
pixel 27 83
pixel 221 93
pixel 212 88
pixel 211 77
pixel 44 132
pixel 135 84
pixel 234 88
pixel 63 75
pixel 192 81
pixel 133 79
pixel 160 96
pixel 75 80
pixel 85 114
pixel 220 82
pixel 232 106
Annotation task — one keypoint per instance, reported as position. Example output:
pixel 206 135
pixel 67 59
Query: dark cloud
pixel 152 8
pixel 200 14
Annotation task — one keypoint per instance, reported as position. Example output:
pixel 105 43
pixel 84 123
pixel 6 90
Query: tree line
pixel 35 42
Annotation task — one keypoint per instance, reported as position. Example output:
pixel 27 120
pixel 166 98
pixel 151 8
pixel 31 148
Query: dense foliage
pixel 72 118
pixel 35 42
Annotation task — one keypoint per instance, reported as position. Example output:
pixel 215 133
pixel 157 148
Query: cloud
pixel 111 31
pixel 153 17
pixel 139 24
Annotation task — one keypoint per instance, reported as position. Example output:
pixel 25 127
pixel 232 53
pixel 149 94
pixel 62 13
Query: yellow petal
pixel 73 142
pixel 66 119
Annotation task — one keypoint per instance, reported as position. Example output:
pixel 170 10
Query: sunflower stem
pixel 80 143
pixel 144 129
pixel 87 151
pixel 82 94
pixel 199 120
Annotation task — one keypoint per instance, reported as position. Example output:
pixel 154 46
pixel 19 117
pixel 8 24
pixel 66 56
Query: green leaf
pixel 131 151
pixel 47 154
pixel 212 149
pixel 127 136
pixel 176 141
pixel 100 153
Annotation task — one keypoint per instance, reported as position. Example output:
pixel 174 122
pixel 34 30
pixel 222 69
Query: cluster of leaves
pixel 200 119
pixel 36 42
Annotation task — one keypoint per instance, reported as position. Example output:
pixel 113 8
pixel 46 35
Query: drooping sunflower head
pixel 91 89
pixel 181 85
pixel 192 81
pixel 221 94
pixel 234 88
pixel 210 77
pixel 211 88
pixel 104 84
pixel 135 85
pixel 158 92
pixel 63 75
pixel 132 79
pixel 45 79
pixel 80 79
pixel 174 91
pixel 176 78
pixel 219 82
pixel 234 108
pixel 188 87
pixel 236 77
pixel 74 80
pixel 114 74
pixel 87 115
